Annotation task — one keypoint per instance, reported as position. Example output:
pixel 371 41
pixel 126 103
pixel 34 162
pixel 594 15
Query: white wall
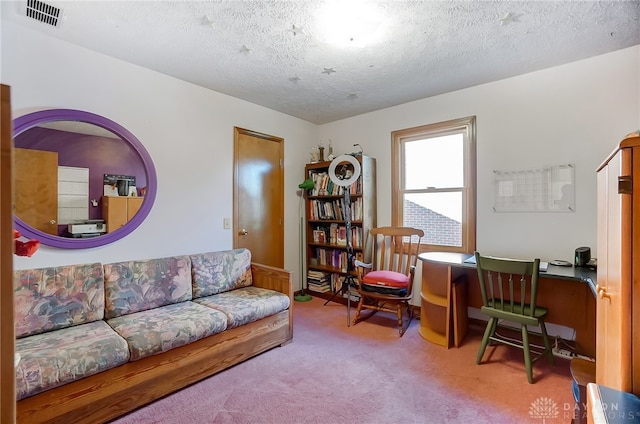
pixel 188 131
pixel 575 113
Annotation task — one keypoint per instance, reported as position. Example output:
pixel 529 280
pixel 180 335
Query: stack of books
pixel 355 296
pixel 318 281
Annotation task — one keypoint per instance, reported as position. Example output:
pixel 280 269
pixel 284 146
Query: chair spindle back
pixel 396 248
pixel 508 283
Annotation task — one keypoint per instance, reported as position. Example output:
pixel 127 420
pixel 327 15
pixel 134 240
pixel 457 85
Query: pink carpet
pixel 365 373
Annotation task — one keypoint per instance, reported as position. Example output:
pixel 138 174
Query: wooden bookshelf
pixel 325 226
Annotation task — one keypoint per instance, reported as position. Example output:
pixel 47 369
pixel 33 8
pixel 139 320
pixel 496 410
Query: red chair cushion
pixel 386 279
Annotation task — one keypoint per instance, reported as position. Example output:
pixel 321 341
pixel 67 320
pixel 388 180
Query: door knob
pixel 243 232
pixel 602 293
pixel 53 221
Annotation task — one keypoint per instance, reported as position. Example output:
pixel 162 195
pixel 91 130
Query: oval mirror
pixel 80 179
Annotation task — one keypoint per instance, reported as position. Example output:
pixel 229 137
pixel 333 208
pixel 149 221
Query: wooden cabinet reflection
pixel 117 211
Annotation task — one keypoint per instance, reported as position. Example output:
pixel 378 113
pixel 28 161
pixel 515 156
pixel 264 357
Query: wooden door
pixel 36 189
pixel 7 368
pixel 258 194
pixel 613 305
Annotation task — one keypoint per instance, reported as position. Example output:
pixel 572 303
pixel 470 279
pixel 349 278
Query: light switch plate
pixel 226 223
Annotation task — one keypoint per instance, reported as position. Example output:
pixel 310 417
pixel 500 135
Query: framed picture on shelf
pixel 319 236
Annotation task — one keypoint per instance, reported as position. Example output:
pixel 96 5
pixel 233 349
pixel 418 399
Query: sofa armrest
pixel 280 280
pixel 268 277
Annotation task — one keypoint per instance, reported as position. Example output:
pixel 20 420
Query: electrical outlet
pixel 563 353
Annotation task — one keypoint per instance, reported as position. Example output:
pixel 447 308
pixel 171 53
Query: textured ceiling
pixel 278 54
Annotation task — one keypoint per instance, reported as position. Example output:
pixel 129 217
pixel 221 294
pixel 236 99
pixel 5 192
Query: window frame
pixel 465 126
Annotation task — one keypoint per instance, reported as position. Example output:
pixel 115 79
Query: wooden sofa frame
pixel 115 392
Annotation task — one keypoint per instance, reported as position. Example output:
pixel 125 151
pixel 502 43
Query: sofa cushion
pixel 57 297
pixel 167 327
pixel 136 286
pixel 218 272
pixel 246 304
pixel 58 357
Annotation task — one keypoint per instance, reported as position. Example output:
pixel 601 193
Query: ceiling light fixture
pixel 351 23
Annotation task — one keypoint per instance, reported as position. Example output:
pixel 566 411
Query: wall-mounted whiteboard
pixel 550 189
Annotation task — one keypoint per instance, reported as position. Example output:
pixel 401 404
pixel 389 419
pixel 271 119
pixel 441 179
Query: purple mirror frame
pixel 30 120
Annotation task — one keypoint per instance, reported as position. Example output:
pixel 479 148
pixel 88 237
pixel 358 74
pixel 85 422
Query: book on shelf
pixel 320 183
pixel 322 209
pixel 318 281
pixel 336 234
pixel 356 237
pixel 335 258
pixel 318 275
pixel 341 236
pixel 355 296
pixel 333 230
pixel 337 210
pixel 323 186
pixel 319 288
pixel 336 284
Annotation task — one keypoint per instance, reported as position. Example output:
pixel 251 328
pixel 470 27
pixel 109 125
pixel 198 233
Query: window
pixel 434 183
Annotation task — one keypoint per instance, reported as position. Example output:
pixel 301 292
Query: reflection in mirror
pixel 60 169
pixel 72 170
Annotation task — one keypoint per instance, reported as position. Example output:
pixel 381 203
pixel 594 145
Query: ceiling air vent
pixel 43 12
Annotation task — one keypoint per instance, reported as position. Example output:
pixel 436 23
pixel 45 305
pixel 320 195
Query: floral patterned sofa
pixel 96 341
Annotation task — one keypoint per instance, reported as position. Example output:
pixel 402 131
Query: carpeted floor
pixel 365 373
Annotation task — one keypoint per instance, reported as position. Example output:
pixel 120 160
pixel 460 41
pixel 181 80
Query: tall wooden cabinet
pixel 618 300
pixel 118 210
pixel 326 246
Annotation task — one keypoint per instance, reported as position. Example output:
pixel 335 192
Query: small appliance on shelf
pixel 87 228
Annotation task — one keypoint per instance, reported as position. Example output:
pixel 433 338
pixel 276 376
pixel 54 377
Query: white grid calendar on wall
pixel 535 190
